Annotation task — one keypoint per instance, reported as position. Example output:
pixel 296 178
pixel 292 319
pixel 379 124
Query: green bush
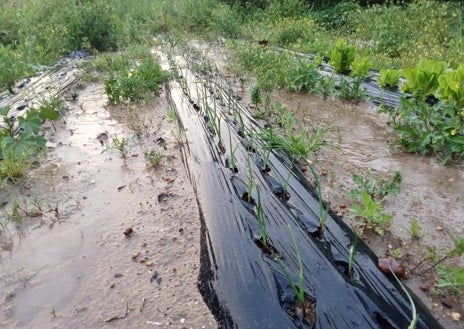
pixel 11 67
pixel 94 26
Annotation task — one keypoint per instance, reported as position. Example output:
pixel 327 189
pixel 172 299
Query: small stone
pixel 118 275
pixel 135 255
pixel 128 231
pixel 424 287
pixel 149 263
pixel 342 206
pixel 456 316
pixel 113 285
pixel 439 228
pixel 446 304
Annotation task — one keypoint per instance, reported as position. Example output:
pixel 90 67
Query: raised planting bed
pixel 271 256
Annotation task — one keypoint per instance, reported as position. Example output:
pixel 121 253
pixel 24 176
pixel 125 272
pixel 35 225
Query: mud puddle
pixel 69 264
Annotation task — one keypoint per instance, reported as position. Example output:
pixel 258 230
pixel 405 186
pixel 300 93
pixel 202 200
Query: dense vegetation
pixel 355 35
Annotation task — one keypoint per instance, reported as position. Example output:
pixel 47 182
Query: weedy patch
pixel 134 84
pixel 377 186
pixel 370 213
pixel 370 194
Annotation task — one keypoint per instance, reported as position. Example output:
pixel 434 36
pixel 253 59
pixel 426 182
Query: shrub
pixel 94 25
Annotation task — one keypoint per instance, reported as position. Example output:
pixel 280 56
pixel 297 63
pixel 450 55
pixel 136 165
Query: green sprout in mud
pixel 171 113
pixel 261 221
pixel 120 145
pixel 153 157
pixel 300 145
pixel 414 315
pixel 415 229
pixel 298 288
pixel 351 255
pixel 376 185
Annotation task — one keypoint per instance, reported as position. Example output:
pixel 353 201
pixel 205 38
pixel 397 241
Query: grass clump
pixel 127 84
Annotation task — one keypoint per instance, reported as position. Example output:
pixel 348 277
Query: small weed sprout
pixel 415 229
pixel 14 215
pixel 171 113
pixel 376 185
pixel 14 165
pixel 120 145
pixel 370 213
pixel 153 158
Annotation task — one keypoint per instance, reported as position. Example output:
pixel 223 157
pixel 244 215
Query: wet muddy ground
pixel 72 266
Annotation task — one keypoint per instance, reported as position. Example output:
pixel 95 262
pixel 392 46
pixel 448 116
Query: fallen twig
pixel 142 305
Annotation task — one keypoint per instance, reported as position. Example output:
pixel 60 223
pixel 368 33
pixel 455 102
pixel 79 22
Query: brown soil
pixel 73 266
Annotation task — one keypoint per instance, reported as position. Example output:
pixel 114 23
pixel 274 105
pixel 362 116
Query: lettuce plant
pixel 388 78
pixel 451 87
pixel 342 57
pixel 422 81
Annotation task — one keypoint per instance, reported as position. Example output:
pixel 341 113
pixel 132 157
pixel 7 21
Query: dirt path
pixel 72 267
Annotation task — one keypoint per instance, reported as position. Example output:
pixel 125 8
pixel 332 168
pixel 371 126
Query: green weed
pixel 153 158
pixel 120 145
pixel 415 229
pixel 370 214
pixel 127 84
pixel 377 186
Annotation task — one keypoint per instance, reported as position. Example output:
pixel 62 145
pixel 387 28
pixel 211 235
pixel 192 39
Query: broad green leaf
pixel 25 144
pixel 31 123
pixel 47 113
pixel 4 110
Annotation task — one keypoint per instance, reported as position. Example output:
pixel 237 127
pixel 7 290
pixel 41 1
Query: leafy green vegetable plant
pixel 388 78
pixel 425 129
pixel 451 88
pixel 343 56
pixel 422 80
pixel 361 68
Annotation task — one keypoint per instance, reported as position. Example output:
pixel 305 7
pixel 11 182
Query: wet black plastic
pixel 246 287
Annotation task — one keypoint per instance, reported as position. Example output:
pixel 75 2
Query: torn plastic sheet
pixel 244 286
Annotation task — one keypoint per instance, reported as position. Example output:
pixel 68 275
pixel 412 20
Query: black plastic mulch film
pixel 244 286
